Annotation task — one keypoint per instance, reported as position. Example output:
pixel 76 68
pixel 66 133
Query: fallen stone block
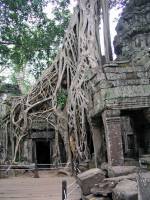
pixel 125 190
pixel 84 166
pixel 103 189
pixel 143 181
pixel 116 171
pixel 89 179
pixel 116 180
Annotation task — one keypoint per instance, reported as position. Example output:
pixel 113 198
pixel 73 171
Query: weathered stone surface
pixel 121 178
pixel 88 179
pixel 143 81
pixel 43 134
pixel 126 92
pixel 143 180
pixel 40 125
pixel 133 29
pixel 125 190
pixel 91 197
pixel 103 189
pixel 115 76
pixel 112 123
pixel 114 171
pixel 121 97
pixel 145 159
pixel 128 88
pixel 83 166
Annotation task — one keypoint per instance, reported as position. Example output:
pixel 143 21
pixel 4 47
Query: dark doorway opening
pixel 138 140
pixel 99 142
pixel 43 154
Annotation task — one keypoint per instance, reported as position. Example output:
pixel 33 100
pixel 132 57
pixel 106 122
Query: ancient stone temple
pixel 122 107
pixel 37 147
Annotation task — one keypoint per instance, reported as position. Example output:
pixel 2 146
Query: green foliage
pixel 62 98
pixel 27 86
pixel 27 36
pixel 13 79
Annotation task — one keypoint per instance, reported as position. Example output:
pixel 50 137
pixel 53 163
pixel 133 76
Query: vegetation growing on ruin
pixel 80 54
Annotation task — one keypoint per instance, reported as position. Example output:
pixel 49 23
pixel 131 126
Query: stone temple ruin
pixel 118 122
pixel 39 145
pixel 123 106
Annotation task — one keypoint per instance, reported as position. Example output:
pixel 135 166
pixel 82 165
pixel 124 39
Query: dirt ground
pixel 47 187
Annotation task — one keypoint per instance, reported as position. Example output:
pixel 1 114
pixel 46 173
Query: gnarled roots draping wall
pixel 62 96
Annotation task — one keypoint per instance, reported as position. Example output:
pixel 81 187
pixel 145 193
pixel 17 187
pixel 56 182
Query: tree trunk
pixel 106 30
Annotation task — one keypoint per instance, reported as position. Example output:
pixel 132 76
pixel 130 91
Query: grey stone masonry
pixel 133 29
pixel 112 125
pixel 126 87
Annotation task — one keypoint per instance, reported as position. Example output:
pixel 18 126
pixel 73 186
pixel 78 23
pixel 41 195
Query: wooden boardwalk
pixel 47 187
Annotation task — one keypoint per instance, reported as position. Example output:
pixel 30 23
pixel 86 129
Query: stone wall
pixel 124 85
pixel 127 86
pixel 125 89
pixel 40 129
pixel 133 29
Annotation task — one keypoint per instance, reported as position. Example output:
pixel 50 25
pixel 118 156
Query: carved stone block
pixel 112 124
pixel 125 190
pixel 88 179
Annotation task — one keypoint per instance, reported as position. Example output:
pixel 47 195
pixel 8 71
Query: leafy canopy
pixel 28 36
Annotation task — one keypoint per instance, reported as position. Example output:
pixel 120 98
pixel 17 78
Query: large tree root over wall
pixel 68 76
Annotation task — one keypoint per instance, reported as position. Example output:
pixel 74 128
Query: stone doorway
pixel 136 133
pixel 43 153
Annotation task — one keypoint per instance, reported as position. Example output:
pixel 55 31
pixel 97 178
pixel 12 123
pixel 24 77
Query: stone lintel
pixel 42 135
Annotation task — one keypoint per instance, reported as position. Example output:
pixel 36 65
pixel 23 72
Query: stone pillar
pixel 25 150
pixel 112 125
pixel 30 151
